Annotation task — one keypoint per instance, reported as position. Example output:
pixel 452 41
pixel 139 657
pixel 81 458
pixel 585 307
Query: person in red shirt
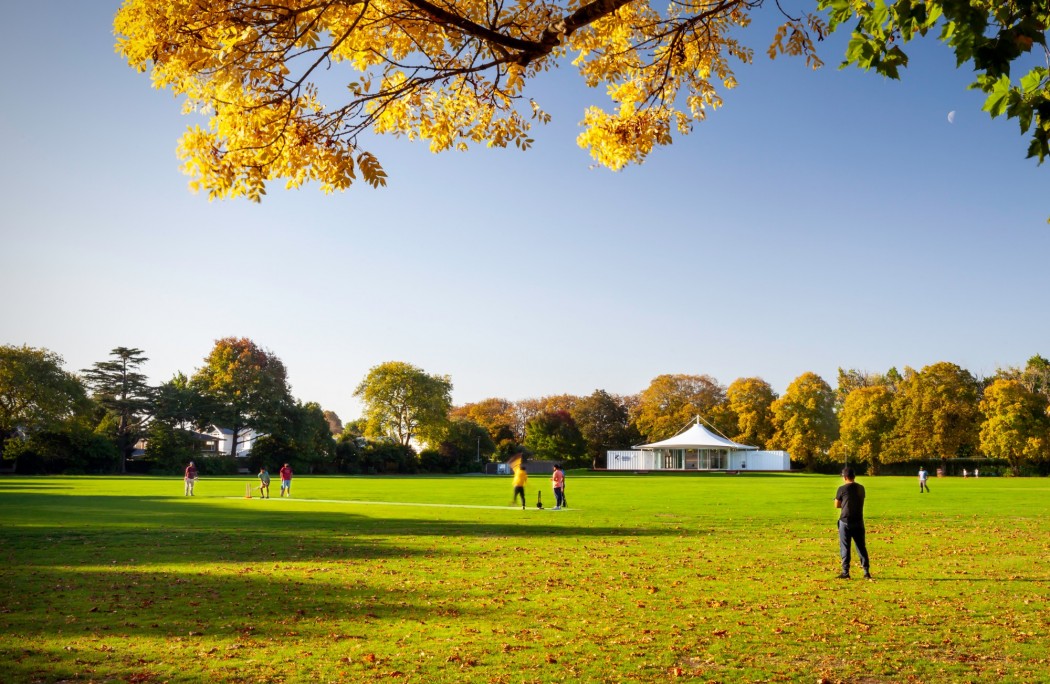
pixel 286 480
pixel 190 478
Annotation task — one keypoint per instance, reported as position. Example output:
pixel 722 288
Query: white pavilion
pixel 697 448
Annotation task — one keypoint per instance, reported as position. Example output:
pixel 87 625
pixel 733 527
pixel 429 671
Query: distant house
pixel 212 441
pixel 245 440
pixel 697 448
pixel 207 444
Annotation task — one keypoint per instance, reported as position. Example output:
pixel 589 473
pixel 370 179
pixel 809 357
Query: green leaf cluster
pixel 996 37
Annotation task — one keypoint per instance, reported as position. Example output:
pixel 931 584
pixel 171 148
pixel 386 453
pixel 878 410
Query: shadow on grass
pixel 58 516
pixel 15 486
pixel 81 569
pixel 62 624
pixel 255 599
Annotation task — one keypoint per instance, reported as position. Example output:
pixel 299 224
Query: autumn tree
pixel 866 423
pixel 560 402
pixel 455 74
pixel 749 401
pixel 495 414
pixel 605 424
pixel 122 389
pixel 849 380
pixel 452 74
pixel 522 411
pixel 805 420
pixel 1035 377
pixel 403 402
pixel 937 413
pixel 245 385
pixel 36 393
pixel 1016 426
pixel 335 425
pixel 671 401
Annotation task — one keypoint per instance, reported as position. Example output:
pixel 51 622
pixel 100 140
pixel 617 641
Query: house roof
pixel 696 437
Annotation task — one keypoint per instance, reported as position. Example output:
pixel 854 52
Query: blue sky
pixel 817 220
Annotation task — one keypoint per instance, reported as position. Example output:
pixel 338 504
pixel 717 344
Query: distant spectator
pixel 923 485
pixel 190 478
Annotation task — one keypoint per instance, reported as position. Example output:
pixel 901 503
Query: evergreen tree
pixel 120 388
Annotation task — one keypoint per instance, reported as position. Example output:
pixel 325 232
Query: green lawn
pixel 436 579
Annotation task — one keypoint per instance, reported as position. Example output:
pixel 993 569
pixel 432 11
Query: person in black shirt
pixel 849 499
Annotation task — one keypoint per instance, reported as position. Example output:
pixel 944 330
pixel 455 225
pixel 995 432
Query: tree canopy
pixel 35 392
pixel 246 386
pixel 496 415
pixel 179 404
pixel 749 400
pixel 1016 425
pixel 403 402
pixel 879 420
pixel 455 72
pixel 119 387
pixel 554 435
pixel 865 423
pixel 992 36
pixel 937 412
pixel 671 401
pixel 605 424
pixel 804 419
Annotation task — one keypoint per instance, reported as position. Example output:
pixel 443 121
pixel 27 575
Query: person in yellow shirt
pixel 520 478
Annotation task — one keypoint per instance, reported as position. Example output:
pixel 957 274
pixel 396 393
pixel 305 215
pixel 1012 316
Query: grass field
pixel 436 579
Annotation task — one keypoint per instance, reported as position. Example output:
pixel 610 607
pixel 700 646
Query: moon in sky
pixel 951 116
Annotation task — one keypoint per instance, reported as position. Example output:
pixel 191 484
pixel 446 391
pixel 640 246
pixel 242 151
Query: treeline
pixel 56 421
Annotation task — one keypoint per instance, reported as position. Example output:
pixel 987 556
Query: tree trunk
pixel 122 443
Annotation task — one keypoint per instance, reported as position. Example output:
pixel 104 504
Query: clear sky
pixel 817 220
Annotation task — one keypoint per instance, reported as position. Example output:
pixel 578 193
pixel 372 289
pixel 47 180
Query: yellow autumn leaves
pixel 662 73
pixel 289 85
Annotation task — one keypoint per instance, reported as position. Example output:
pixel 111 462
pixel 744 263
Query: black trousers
pixel 852 533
